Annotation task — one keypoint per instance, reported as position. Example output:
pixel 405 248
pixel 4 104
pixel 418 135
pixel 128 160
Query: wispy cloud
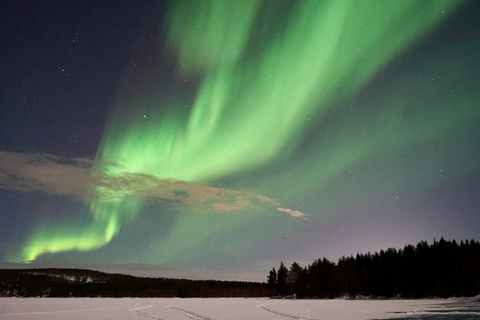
pixel 46 173
pixel 293 213
pixel 72 178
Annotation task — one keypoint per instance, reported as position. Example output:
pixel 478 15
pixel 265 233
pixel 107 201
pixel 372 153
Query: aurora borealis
pixel 248 132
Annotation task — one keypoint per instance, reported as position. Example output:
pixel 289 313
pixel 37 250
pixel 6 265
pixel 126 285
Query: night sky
pixel 214 139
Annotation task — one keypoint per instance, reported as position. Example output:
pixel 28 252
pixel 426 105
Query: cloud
pixel 204 198
pixel 46 173
pixel 37 172
pixel 293 213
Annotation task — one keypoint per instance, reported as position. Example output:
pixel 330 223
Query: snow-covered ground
pixel 216 309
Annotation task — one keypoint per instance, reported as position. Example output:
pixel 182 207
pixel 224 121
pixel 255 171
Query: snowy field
pixel 216 309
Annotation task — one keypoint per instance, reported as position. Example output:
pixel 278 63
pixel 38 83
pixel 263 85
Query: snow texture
pixel 235 308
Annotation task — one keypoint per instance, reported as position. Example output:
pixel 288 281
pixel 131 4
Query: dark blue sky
pixel 62 63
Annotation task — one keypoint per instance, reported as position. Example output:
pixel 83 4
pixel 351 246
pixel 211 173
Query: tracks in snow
pixel 190 314
pixel 285 315
pixel 195 316
pixel 137 311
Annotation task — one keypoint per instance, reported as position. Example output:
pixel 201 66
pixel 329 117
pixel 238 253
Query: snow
pixel 235 308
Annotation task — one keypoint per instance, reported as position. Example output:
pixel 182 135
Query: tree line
pixel 442 269
pixel 88 283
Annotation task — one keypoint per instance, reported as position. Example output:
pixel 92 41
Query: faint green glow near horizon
pixel 256 96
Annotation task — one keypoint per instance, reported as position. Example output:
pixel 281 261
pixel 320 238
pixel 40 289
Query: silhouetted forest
pixel 443 269
pixel 87 283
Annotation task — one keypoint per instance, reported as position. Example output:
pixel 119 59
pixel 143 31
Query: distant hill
pixel 53 282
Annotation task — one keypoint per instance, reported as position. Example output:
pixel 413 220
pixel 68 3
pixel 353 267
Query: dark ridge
pixel 54 282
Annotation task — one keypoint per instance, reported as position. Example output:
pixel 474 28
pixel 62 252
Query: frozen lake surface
pixel 235 308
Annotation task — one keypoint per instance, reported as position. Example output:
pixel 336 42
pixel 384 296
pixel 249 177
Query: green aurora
pixel 269 75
